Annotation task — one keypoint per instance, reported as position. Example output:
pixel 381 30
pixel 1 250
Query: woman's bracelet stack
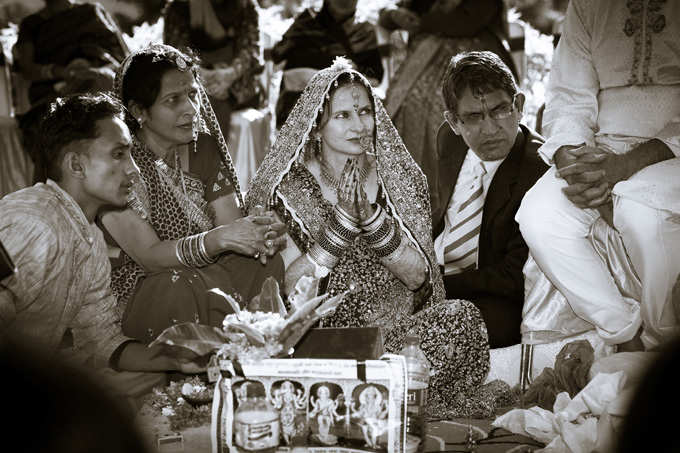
pixel 190 251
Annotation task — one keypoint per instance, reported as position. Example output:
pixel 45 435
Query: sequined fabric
pixel 453 334
pixel 359 271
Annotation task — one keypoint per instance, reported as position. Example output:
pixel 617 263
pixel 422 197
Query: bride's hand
pixel 363 206
pixel 347 189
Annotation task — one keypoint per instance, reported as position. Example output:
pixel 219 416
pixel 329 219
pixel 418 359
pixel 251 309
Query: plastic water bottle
pixel 418 372
pixel 256 423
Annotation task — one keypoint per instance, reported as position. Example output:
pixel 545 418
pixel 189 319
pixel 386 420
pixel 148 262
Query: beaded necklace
pixel 334 183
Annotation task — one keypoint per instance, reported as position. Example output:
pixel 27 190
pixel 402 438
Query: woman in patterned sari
pixel 183 232
pixel 357 211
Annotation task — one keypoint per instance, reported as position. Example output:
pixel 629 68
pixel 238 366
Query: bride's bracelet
pixel 389 244
pixel 399 252
pixel 381 233
pixel 191 252
pixel 345 216
pixel 341 231
pixel 372 223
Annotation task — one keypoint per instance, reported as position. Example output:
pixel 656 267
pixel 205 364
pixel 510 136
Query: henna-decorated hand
pixel 347 190
pixel 364 208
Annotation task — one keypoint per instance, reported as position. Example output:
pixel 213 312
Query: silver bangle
pixel 375 223
pixel 204 254
pixel 323 257
pixel 339 211
pixel 179 253
pixel 366 225
pixel 397 254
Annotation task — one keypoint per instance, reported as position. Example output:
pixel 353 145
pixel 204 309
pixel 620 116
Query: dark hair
pixel 70 124
pixel 142 79
pixel 481 72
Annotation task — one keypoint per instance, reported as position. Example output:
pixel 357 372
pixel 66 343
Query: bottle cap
pixel 254 390
pixel 412 338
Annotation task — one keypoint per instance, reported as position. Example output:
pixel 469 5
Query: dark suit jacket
pixel 502 251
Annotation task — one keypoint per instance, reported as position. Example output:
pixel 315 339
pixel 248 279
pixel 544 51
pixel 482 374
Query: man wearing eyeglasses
pixel 487 162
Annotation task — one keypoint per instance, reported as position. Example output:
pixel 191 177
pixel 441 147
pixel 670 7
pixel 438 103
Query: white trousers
pixel 556 232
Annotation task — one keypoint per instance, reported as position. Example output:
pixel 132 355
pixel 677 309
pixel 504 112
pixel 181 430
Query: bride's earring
pixel 317 147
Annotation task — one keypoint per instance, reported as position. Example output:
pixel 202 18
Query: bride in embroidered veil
pixel 357 212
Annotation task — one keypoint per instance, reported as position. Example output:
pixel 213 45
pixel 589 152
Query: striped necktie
pixel 460 251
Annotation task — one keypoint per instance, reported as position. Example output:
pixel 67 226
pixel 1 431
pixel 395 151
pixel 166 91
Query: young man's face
pixel 108 168
pixel 492 138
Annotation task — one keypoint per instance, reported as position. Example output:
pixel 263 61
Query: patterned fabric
pixel 463 237
pixel 453 333
pixel 63 279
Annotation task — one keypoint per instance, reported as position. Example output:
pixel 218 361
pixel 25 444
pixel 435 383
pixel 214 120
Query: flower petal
pixel 230 299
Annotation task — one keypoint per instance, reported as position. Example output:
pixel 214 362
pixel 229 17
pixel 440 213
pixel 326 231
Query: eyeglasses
pixel 499 113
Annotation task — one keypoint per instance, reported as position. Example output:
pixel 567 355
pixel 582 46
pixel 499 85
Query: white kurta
pixel 614 83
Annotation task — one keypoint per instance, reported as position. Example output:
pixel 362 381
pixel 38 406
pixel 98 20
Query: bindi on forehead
pixel 175 81
pixel 478 101
pixel 348 97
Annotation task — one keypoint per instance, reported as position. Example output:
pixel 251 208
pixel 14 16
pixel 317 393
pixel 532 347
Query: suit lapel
pixel 500 190
pixel 453 150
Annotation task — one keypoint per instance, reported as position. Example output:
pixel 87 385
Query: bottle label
pixel 417 400
pixel 257 436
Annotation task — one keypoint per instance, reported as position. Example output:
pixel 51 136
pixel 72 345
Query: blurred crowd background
pixel 141 22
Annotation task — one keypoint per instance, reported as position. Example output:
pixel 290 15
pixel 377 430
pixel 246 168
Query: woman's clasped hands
pixel 352 197
pixel 259 235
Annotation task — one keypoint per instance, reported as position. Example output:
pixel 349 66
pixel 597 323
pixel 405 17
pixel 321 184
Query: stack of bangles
pixel 378 231
pixel 382 235
pixel 338 235
pixel 190 251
